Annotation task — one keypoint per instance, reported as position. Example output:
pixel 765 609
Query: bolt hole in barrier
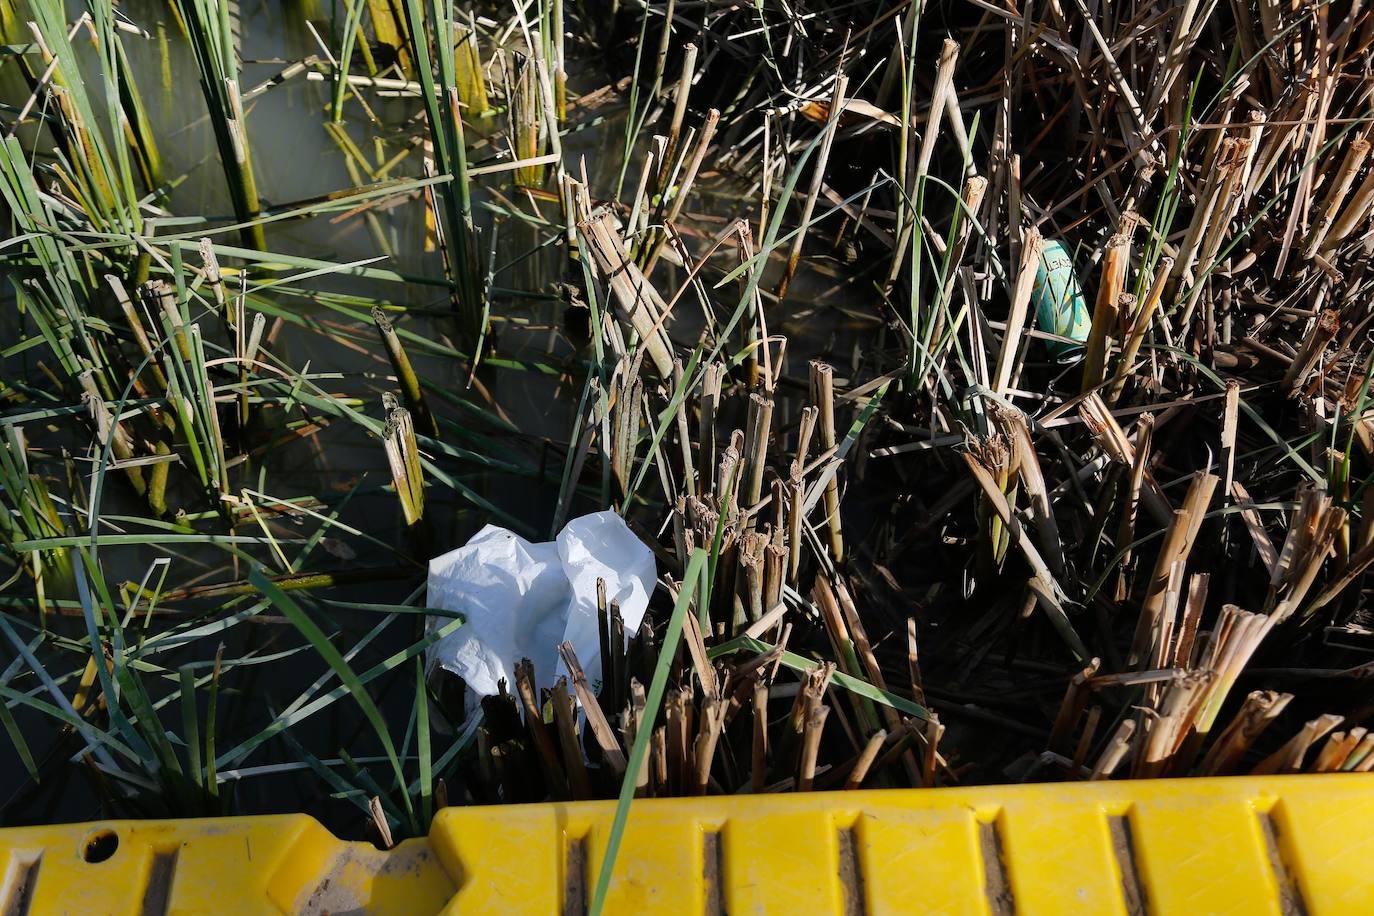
pixel 99 846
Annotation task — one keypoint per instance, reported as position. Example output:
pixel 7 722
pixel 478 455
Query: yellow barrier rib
pixel 1252 845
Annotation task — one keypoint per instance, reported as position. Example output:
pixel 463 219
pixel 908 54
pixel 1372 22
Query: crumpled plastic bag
pixel 520 600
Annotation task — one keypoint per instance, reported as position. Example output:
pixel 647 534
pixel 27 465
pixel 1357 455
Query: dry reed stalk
pixel 161 298
pixel 1182 652
pixel 912 174
pixel 934 731
pixel 214 279
pixel 412 393
pixel 1165 731
pixel 639 203
pixel 534 721
pixel 596 719
pixel 843 645
pixel 111 432
pixel 216 447
pixel 1115 260
pixel 1026 463
pixel 1355 567
pixel 1233 643
pixel 823 396
pixel 1202 249
pixel 914 664
pixel 1288 759
pixel 711 720
pixel 1043 584
pixel 1138 327
pixel 684 188
pixel 1230 416
pixel 1085 740
pixel 1354 160
pixel 140 333
pixel 994 455
pixel 403 457
pixel 1255 526
pixel 1323 331
pixel 1112 440
pixel 756 436
pixel 684 89
pixel 1361 759
pixel 864 762
pixel 565 722
pixel 971 198
pixel 1071 707
pixel 1016 317
pixel 796 492
pixel 696 647
pixel 632 720
pixel 806 427
pixel 379 822
pixel 1353 214
pixel 637 303
pixel 1338 747
pixel 1115 751
pixel 837 100
pixel 1310 537
pixel 758 748
pixel 811 743
pixel 677 741
pixel 1261 707
pixel 708 401
pixel 1173 552
pixel 1125 534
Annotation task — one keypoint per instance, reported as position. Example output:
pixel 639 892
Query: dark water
pixel 296 159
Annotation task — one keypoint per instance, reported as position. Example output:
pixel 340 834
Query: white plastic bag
pixel 520 600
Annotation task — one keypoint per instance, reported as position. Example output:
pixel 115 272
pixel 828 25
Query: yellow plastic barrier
pixel 1283 845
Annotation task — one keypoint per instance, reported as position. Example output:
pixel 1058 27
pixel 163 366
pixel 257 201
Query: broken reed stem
pixel 1114 263
pixel 865 760
pixel 1288 759
pixel 596 718
pixel 832 125
pixel 1139 327
pixel 412 394
pixel 823 395
pixel 1115 752
pixel 1016 317
pixel 534 722
pixel 684 89
pixel 756 443
pixel 403 456
pixel 566 724
pixel 913 173
pixel 811 744
pixel 1323 331
pixel 1260 709
pixel 637 303
pixel 1350 166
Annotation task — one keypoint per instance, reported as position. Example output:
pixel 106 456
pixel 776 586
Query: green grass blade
pixel 326 650
pixel 696 564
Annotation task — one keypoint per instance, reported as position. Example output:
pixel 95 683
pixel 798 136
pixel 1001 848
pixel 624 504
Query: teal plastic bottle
pixel 1058 300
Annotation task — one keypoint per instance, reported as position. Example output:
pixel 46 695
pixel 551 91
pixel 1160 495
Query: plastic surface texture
pixel 1282 845
pixel 1058 298
pixel 520 599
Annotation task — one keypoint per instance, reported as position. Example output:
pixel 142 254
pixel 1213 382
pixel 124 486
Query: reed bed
pixel 990 384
